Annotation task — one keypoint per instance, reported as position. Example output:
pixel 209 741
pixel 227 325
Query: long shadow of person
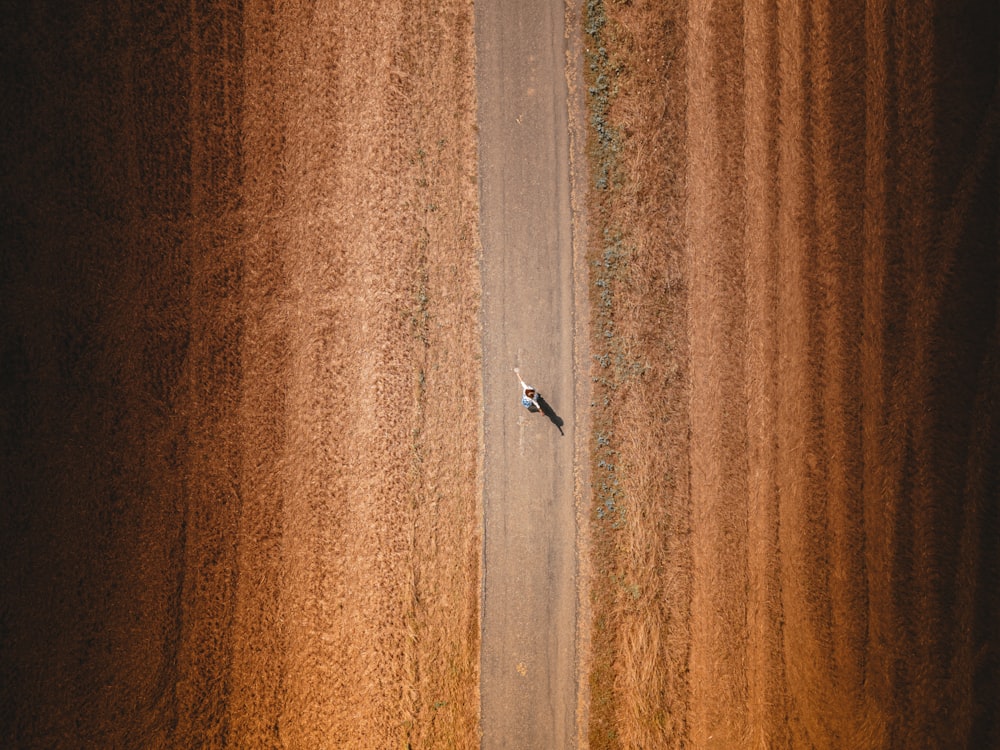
pixel 549 412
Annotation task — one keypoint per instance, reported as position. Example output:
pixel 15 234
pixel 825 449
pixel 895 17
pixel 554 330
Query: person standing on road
pixel 529 396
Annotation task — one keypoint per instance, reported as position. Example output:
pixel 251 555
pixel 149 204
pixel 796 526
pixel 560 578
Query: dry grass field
pixel 239 404
pixel 240 388
pixel 796 265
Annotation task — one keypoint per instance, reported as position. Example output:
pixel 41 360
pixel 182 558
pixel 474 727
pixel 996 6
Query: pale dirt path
pixel 528 679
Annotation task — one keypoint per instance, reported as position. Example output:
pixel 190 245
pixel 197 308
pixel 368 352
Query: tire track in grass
pixel 904 595
pixel 766 680
pixel 802 519
pixel 836 123
pixel 915 482
pixel 214 381
pixel 260 627
pixel 320 593
pixel 718 421
pixel 879 516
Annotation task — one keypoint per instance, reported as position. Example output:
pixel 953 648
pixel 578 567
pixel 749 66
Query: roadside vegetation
pixel 638 517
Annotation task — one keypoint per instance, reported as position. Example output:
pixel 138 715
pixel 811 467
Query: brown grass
pixel 641 579
pixel 240 401
pixel 828 219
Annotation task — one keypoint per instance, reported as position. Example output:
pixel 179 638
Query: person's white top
pixel 528 402
pixel 528 394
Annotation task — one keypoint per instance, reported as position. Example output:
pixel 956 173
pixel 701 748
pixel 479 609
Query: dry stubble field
pixel 240 401
pixel 239 446
pixel 795 257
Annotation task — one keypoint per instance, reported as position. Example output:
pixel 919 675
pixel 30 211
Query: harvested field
pixel 240 378
pixel 240 399
pixel 795 281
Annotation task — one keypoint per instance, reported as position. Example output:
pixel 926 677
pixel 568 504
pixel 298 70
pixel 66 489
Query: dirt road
pixel 529 592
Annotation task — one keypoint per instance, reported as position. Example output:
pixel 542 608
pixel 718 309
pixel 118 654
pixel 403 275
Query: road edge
pixel 582 392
